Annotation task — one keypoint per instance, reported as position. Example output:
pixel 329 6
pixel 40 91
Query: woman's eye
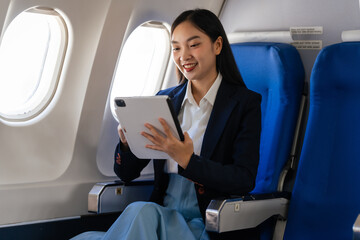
pixel 175 49
pixel 195 45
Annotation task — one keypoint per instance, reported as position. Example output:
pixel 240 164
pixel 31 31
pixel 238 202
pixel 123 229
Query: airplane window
pixel 31 54
pixel 142 63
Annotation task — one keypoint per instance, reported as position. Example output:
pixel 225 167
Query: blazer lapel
pixel 178 97
pixel 223 106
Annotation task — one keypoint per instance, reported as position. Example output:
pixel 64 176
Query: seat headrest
pixel 336 67
pixel 271 36
pixel 350 36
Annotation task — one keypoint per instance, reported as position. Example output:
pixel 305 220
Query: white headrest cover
pixel 350 36
pixel 273 36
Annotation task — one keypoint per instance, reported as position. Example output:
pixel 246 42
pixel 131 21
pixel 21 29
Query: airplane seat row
pixel 274 70
pixel 325 199
pixel 324 202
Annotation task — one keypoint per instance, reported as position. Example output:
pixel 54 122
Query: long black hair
pixel 208 23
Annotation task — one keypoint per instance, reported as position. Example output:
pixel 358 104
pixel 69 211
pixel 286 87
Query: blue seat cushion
pixel 326 196
pixel 274 70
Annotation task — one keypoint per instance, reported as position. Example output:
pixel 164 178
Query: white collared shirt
pixel 194 118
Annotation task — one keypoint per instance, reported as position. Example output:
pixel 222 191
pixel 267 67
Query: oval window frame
pixel 51 70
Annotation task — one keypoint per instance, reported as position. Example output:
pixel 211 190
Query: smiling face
pixel 194 53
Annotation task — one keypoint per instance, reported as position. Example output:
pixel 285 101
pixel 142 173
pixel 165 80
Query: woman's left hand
pixel 180 151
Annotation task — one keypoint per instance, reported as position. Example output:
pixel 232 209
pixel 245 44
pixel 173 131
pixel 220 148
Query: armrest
pixel 246 212
pixel 115 196
pixel 356 229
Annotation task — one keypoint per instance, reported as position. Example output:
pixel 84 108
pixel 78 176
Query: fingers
pixel 122 135
pixel 157 141
pixel 188 141
pixel 149 137
pixel 154 136
pixel 166 127
pixel 180 151
pixel 163 140
pixel 153 130
pixel 186 136
pixel 154 147
pixel 158 138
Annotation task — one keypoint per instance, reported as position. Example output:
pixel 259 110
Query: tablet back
pixel 134 112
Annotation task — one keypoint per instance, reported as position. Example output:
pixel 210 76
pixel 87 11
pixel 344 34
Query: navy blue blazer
pixel 229 157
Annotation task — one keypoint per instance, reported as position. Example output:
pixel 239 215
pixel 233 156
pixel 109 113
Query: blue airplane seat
pixel 326 199
pixel 274 70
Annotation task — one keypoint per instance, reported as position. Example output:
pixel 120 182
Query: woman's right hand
pixel 125 145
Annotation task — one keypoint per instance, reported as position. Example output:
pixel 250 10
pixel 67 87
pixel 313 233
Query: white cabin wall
pixel 262 15
pixel 34 156
pixel 4 5
pixel 55 129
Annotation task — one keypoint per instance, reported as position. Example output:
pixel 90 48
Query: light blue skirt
pixel 179 219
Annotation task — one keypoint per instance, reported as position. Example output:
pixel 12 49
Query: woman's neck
pixel 200 88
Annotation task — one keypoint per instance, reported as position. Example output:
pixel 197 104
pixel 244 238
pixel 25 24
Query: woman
pixel 219 156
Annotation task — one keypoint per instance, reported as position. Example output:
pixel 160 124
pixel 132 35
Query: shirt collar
pixel 210 96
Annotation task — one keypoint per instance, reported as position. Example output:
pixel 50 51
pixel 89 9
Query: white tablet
pixel 134 112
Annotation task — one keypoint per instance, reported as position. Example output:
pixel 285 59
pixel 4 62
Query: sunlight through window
pixel 143 61
pixel 31 54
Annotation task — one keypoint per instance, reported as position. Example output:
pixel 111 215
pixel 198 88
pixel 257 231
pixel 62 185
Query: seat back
pixel 274 70
pixel 325 200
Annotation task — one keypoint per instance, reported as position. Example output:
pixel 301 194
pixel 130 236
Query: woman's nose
pixel 185 55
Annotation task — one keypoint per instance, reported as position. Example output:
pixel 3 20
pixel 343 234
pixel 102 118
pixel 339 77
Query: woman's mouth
pixel 189 67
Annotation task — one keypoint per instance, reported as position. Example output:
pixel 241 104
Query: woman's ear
pixel 218 45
